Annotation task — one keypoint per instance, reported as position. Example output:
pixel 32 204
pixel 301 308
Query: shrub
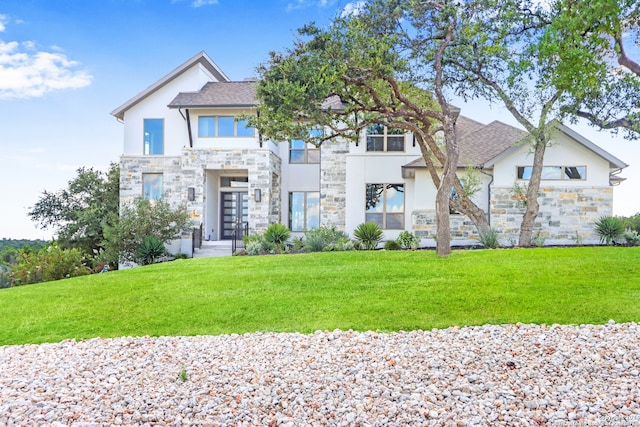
pixel 50 263
pixel 609 229
pixel 489 239
pixel 344 244
pixel 314 243
pixel 631 237
pixel 538 240
pixel 254 247
pixel 392 245
pixel 324 239
pixel 277 235
pixel 368 235
pixel 408 240
pixel 149 250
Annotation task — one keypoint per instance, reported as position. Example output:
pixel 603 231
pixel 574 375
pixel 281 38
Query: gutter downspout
pixel 189 128
pixel 488 194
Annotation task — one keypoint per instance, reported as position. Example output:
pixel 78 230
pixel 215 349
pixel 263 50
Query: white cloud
pixel 198 3
pixel 4 19
pixel 303 4
pixel 353 9
pixel 27 74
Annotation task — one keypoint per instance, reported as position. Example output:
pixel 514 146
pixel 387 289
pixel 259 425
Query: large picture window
pixel 384 205
pixel 382 138
pixel 152 186
pixel 555 172
pixel 221 126
pixel 304 210
pixel 153 136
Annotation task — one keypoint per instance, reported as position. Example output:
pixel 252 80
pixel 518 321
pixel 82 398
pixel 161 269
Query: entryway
pixel 234 212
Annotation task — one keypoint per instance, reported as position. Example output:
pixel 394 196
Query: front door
pixel 235 210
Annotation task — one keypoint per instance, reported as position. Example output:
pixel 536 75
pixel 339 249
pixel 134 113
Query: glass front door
pixel 235 211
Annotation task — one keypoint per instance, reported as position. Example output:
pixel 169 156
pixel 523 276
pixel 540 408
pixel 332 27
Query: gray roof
pixel 200 58
pixel 480 143
pixel 218 94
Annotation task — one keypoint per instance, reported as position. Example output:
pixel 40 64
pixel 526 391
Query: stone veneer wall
pixel 263 166
pixel 333 184
pixel 567 216
pixel 132 168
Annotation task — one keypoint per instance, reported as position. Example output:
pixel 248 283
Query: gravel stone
pixel 503 375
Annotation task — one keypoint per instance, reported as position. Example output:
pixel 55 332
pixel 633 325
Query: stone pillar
pixel 333 184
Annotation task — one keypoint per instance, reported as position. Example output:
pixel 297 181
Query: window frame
pixel 146 148
pixel 305 211
pixel 306 149
pixel 238 126
pixel 563 174
pixel 384 210
pixel 384 137
pixel 150 195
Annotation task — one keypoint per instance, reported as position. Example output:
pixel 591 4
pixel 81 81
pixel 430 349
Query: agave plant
pixel 150 250
pixel 368 235
pixel 609 229
pixel 277 234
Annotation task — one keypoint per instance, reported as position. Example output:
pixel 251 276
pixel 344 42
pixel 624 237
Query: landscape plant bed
pixel 359 290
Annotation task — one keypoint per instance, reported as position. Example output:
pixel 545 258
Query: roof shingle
pixel 219 94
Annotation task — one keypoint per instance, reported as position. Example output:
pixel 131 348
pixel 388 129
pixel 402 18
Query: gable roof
pixel 200 58
pixel 219 94
pixel 480 143
pixel 614 162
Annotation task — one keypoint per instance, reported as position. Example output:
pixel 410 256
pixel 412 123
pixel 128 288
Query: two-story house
pixel 183 141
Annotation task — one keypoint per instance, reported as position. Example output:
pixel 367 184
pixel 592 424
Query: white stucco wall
pixel 155 107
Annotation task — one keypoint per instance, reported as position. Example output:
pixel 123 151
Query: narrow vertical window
pixel 152 186
pixel 153 136
pixel 304 210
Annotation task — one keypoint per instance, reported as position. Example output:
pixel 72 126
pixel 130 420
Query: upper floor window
pixel 385 205
pixel 152 186
pixel 555 172
pixel 382 138
pixel 210 126
pixel 304 210
pixel 153 136
pixel 302 152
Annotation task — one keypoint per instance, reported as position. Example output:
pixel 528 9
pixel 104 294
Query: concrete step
pixel 213 249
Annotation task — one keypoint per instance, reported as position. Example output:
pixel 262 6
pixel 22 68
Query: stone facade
pixel 333 181
pixel 132 168
pixel 567 216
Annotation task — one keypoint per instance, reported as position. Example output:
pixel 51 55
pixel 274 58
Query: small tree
pixel 143 218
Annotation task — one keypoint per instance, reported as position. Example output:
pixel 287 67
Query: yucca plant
pixel 149 250
pixel 277 234
pixel 489 239
pixel 609 229
pixel 368 235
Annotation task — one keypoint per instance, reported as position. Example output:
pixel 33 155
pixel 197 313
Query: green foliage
pixel 631 222
pixel 538 240
pixel 363 291
pixel 609 229
pixel 368 235
pixel 80 212
pixel 392 245
pixel 142 218
pixel 326 239
pixel 408 240
pixel 490 239
pixel 149 250
pixel 471 182
pixel 6 244
pixel 277 235
pixel 183 374
pixel 631 237
pixel 50 263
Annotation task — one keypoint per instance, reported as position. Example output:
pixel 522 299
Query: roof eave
pixel 212 106
pixel 614 162
pixel 201 58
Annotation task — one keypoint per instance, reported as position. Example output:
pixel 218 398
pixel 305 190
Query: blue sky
pixel 66 64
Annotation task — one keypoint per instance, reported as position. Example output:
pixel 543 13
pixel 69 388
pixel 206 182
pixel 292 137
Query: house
pixel 183 140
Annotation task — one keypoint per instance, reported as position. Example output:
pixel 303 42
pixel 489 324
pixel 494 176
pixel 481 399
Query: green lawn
pixel 381 290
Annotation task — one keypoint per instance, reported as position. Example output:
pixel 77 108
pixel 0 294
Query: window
pixel 234 181
pixel 385 205
pixel 152 186
pixel 153 136
pixel 304 210
pixel 210 126
pixel 381 138
pixel 555 172
pixel 302 152
pixel 206 126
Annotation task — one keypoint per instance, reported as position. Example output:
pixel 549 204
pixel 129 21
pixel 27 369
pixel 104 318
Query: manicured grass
pixel 381 290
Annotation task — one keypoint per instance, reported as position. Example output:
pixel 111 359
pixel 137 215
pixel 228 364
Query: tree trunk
pixel 529 217
pixel 443 241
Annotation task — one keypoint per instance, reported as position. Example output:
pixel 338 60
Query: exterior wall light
pixel 257 195
pixel 191 194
